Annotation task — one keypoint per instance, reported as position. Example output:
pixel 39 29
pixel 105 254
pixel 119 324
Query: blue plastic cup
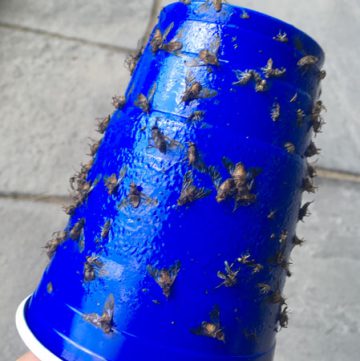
pixel 178 243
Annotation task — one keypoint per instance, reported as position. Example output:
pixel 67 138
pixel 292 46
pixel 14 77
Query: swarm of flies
pixel 160 141
pixel 238 186
pixel 144 102
pixel 119 101
pixel 112 182
pixel 245 77
pixel 304 211
pixel 194 90
pixel 207 56
pixel 281 37
pixel 246 260
pixel 136 197
pixel 189 192
pixel 316 118
pixel 77 229
pixel 312 150
pixel 105 321
pixel 57 239
pixel 213 328
pixel 133 58
pixel 194 157
pixel 158 41
pixel 229 277
pixel 92 264
pixel 271 72
pixel 165 277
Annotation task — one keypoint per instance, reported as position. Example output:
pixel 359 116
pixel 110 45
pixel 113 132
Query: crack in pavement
pixel 26 29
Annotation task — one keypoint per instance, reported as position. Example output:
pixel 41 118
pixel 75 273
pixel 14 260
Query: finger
pixel 28 357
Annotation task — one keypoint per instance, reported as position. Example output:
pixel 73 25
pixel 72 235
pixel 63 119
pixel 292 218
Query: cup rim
pixel 284 25
pixel 27 336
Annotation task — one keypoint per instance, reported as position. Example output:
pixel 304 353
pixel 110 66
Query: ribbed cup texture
pixel 179 240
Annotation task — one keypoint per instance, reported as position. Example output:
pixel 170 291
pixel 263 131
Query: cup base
pixel 29 339
pixel 43 354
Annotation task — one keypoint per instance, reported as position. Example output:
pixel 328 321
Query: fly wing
pixel 174 270
pixel 153 272
pixel 251 175
pixel 202 193
pixel 189 79
pixel 193 63
pixel 94 319
pixel 215 316
pixel 228 164
pixel 109 307
pixel 215 45
pixel 152 92
pixel 199 331
pixel 228 267
pixel 205 6
pixel 254 172
pixel 215 176
pixel 177 38
pixel 122 174
pixel 208 93
pixel 188 179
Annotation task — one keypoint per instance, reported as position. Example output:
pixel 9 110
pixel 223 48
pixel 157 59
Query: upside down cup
pixel 178 243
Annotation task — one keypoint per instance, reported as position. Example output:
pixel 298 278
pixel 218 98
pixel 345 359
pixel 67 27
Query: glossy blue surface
pixel 203 234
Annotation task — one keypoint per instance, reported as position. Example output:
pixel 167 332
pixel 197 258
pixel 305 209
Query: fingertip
pixel 28 357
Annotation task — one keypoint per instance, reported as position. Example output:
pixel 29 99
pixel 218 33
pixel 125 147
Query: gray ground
pixel 60 64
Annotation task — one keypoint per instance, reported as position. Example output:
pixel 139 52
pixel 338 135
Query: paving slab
pixel 25 227
pixel 323 293
pixel 51 93
pixel 334 24
pixel 120 23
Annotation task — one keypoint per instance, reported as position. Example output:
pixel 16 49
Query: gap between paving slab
pixel 116 22
pixel 50 34
pixel 323 174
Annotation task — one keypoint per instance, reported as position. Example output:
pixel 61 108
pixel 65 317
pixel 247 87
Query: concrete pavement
pixel 60 64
